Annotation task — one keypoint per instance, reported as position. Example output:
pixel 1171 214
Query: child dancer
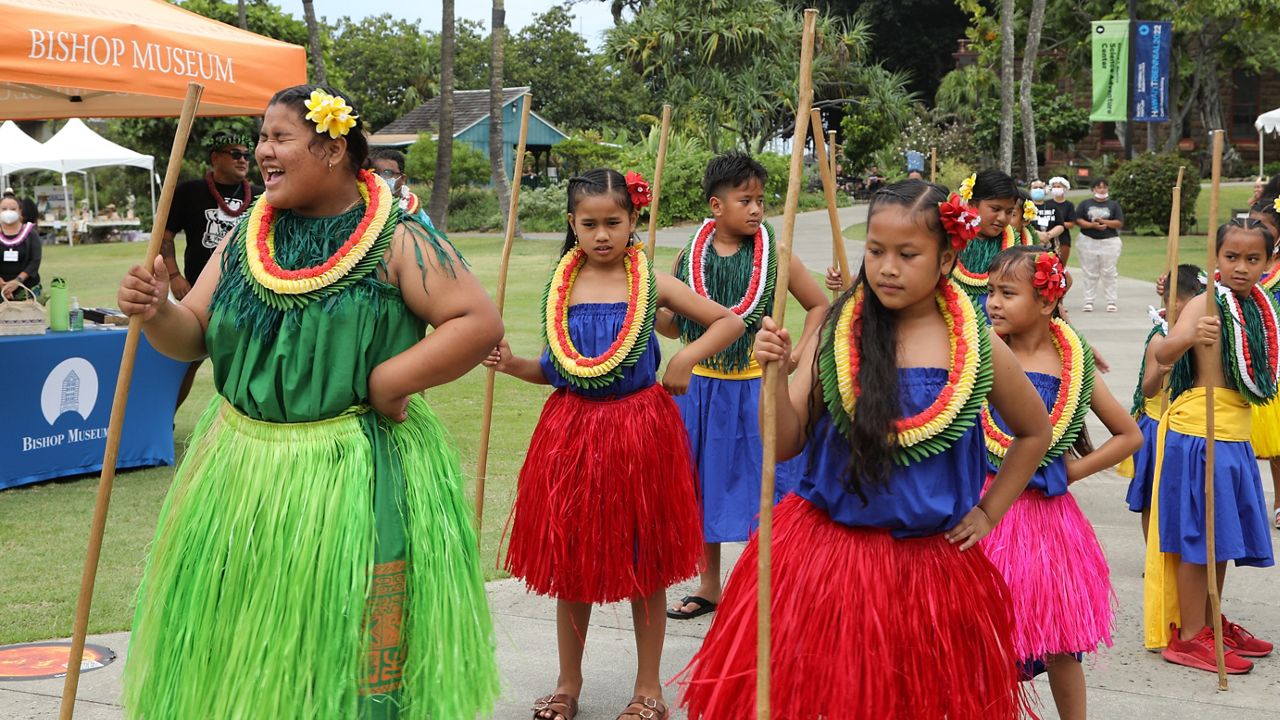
pixel 1044 547
pixel 877 577
pixel 1149 403
pixel 1244 374
pixel 731 261
pixel 605 507
pixel 997 201
pixel 315 557
pixel 1266 418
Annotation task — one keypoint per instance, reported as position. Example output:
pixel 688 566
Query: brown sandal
pixel 646 708
pixel 561 707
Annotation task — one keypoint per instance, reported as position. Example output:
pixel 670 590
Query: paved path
pixel 1124 682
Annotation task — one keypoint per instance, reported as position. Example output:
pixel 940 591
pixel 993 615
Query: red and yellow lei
pixel 260 243
pixel 955 410
pixel 977 281
pixel 1070 407
pixel 632 339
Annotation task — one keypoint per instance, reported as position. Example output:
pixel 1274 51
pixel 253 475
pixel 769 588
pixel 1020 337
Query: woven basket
pixel 22 317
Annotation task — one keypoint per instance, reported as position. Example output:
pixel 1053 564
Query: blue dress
pixel 1049 479
pixel 920 499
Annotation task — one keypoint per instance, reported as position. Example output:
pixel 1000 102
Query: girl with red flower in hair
pixel 605 503
pixel 878 578
pixel 1045 547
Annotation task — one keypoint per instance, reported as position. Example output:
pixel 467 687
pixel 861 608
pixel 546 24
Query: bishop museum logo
pixel 70 388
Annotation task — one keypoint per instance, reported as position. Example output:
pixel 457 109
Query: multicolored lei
pixel 632 339
pixel 260 243
pixel 937 427
pixel 1070 407
pixel 1257 385
pixel 965 276
pixel 763 261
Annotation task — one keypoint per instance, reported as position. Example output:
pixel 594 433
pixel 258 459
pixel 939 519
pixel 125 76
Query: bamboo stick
pixel 769 400
pixel 933 164
pixel 1211 310
pixel 116 425
pixel 838 253
pixel 486 422
pixel 1171 273
pixel 665 134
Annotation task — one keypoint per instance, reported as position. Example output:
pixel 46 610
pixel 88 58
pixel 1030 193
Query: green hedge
pixel 1143 187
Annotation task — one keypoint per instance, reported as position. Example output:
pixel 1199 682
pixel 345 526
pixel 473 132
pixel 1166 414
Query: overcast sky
pixel 592 18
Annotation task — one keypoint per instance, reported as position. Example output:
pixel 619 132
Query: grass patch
pixel 44 527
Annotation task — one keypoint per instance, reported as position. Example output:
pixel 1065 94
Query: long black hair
pixel 357 145
pixel 600 181
pixel 994 184
pixel 872 440
pixel 1020 262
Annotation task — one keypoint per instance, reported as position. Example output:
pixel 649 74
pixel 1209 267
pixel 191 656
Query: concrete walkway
pixel 1124 682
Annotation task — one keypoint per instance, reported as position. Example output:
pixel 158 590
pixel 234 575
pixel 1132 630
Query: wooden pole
pixel 1211 310
pixel 933 164
pixel 116 424
pixel 486 422
pixel 829 190
pixel 1171 273
pixel 772 371
pixel 831 149
pixel 652 245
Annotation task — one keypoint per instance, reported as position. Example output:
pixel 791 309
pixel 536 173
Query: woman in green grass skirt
pixel 315 556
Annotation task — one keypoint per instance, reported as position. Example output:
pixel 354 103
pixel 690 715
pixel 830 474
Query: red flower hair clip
pixel 959 220
pixel 638 189
pixel 1050 281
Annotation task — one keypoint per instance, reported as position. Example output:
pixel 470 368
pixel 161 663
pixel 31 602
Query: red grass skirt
pixel 864 626
pixel 606 508
pixel 1057 574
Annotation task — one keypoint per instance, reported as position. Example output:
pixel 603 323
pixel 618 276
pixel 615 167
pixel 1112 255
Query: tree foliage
pixel 470 166
pixel 1057 117
pixel 876 118
pixel 386 64
pixel 1147 212
pixel 730 66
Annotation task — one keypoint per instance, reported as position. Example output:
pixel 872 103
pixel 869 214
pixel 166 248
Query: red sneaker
pixel 1198 653
pixel 1243 641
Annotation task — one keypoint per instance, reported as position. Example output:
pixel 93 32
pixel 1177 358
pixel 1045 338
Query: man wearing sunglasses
pixel 205 210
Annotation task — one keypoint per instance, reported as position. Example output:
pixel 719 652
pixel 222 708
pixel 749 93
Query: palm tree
pixel 313 43
pixel 242 15
pixel 438 208
pixel 1034 25
pixel 497 168
pixel 1006 85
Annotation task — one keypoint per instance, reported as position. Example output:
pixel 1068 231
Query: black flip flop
pixel 705 606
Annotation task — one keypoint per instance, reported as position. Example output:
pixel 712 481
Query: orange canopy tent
pixel 133 58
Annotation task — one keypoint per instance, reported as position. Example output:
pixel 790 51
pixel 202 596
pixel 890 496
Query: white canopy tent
pixel 1267 122
pixel 76 148
pixel 17 147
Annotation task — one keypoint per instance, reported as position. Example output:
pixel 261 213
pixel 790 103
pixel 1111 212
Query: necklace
pixel 979 253
pixel 14 240
pixel 632 339
pixel 246 192
pixel 938 426
pixel 260 243
pixel 1070 407
pixel 750 306
pixel 1250 342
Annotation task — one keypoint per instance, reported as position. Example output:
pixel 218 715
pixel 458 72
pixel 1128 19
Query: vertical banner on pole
pixel 1110 71
pixel 1152 47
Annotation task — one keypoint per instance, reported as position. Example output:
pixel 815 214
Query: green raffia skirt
pixel 313 570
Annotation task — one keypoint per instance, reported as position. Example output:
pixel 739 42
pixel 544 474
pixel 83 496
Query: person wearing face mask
pixel 389 165
pixel 19 251
pixel 1054 213
pixel 1100 219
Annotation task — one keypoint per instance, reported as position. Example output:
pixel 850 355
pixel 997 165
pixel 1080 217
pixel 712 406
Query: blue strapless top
pixel 1052 478
pixel 923 498
pixel 593 327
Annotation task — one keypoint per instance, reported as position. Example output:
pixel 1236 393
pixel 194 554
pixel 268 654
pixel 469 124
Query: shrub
pixel 1272 168
pixel 542 209
pixel 474 209
pixel 470 166
pixel 953 172
pixel 1142 187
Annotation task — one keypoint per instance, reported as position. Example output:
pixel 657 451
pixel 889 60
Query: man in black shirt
pixel 205 210
pixel 1054 214
pixel 1099 219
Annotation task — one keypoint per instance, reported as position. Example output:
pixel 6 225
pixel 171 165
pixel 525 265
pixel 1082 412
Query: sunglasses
pixel 389 174
pixel 237 154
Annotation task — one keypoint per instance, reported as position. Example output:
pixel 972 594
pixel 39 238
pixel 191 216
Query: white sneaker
pixel 1111 307
pixel 1088 307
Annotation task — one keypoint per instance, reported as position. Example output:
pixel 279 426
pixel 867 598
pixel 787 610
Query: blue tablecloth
pixel 57 395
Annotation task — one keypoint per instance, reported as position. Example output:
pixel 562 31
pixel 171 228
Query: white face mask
pixel 9 217
pixel 1059 193
pixel 1101 196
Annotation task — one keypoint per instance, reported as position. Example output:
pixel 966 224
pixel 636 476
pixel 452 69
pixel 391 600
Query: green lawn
pixel 44 528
